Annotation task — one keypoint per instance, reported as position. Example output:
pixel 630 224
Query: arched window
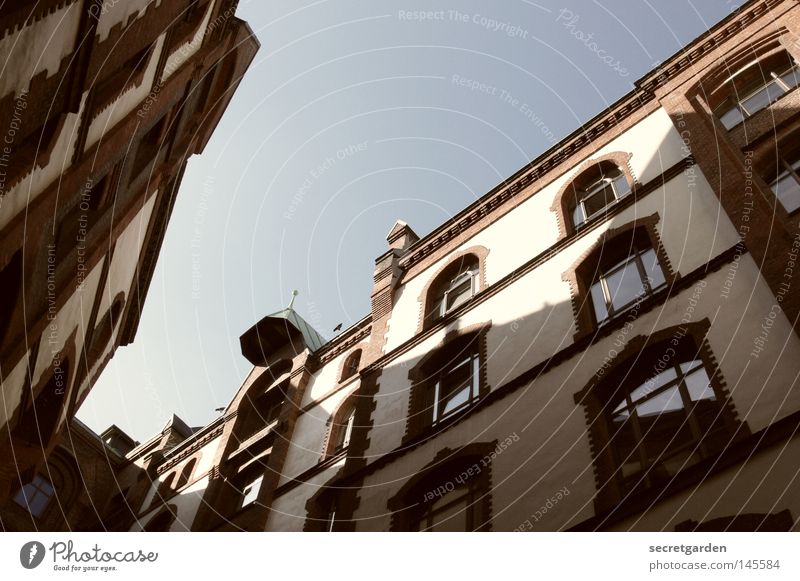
pixel 351 365
pixel 660 410
pixel 595 190
pixel 785 179
pixel 451 494
pixel 625 266
pixel 622 278
pixel 447 382
pixel 186 473
pixel 323 514
pixel 342 429
pixel 454 286
pixel 753 87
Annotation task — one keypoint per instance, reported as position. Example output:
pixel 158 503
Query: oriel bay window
pixel 754 87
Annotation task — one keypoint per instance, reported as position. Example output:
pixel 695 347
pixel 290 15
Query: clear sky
pixel 356 113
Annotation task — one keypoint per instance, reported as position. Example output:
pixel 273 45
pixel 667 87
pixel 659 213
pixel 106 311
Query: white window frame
pixel 472 275
pixel 647 283
pixel 789 169
pixel 472 359
pixel 594 188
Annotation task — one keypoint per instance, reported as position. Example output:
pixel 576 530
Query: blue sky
pixel 356 113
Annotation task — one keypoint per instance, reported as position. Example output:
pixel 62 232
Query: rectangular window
pixel 457 388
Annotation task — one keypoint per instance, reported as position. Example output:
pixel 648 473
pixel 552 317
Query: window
pixel 451 493
pixel 456 387
pixel 35 496
pixel 448 381
pixel 606 184
pixel 660 410
pixel 351 365
pixel 620 284
pixel 343 431
pixel 164 489
pixel 186 473
pixel 250 492
pixel 452 512
pixel 754 87
pixel 452 288
pixel 786 184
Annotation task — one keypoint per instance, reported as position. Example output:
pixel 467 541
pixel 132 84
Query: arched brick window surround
pixel 757 50
pixel 342 372
pixel 427 294
pixel 336 423
pixel 599 393
pixel 408 503
pixel 454 344
pixel 564 200
pixel 584 270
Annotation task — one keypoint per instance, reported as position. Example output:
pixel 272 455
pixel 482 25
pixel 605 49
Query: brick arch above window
pixel 637 359
pixel 427 295
pixel 469 461
pixel 615 240
pixel 564 202
pixel 751 79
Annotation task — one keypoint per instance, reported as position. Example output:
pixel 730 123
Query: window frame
pixel 425 378
pixel 786 169
pixel 470 263
pixel 615 242
pixel 605 273
pixel 586 192
pixel 24 501
pixel 628 367
pixel 762 66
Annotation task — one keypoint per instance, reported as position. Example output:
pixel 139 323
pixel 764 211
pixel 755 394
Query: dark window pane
pixel 787 189
pixel 599 199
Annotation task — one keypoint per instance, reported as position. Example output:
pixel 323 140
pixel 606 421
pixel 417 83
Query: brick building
pixel 101 105
pixel 607 340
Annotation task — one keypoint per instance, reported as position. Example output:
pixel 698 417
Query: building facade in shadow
pixel 101 105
